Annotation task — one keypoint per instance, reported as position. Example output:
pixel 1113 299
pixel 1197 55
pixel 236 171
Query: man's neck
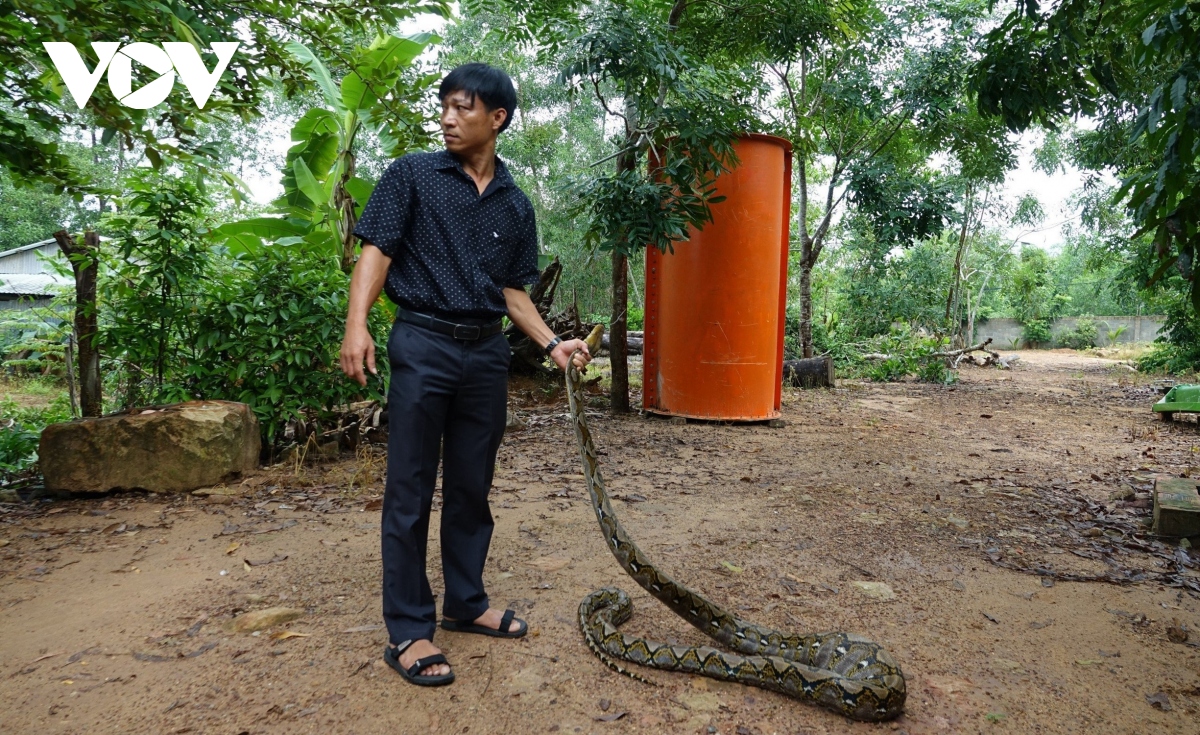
pixel 479 164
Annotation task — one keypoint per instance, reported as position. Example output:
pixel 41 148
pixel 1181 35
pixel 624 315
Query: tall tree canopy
pixel 37 113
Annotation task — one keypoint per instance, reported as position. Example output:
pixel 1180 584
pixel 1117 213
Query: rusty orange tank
pixel 714 313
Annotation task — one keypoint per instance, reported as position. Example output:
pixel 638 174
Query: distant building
pixel 25 280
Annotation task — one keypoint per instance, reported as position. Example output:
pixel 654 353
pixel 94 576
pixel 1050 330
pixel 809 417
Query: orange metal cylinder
pixel 714 312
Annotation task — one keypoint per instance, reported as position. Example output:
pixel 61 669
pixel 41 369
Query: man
pixel 453 240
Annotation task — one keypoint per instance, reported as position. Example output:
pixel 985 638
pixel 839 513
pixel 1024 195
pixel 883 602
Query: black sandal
pixel 462 626
pixel 413 673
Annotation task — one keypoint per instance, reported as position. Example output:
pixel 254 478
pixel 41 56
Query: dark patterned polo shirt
pixel 453 249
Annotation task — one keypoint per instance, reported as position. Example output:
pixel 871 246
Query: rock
pixel 514 422
pixel 875 590
pixel 958 522
pixel 262 619
pixel 176 448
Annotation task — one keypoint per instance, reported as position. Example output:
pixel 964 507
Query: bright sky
pixel 1052 191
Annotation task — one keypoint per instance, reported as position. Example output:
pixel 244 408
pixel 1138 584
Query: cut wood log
pixel 634 340
pixel 810 372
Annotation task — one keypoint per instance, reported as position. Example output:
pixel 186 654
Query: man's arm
pixel 525 315
pixel 366 282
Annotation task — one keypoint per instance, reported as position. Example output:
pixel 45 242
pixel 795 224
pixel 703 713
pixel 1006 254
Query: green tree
pixel 38 118
pixel 1132 65
pixel 680 101
pixel 322 195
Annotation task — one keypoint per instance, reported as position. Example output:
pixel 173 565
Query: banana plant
pixel 322 196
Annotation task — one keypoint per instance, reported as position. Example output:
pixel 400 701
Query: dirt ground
pixel 112 609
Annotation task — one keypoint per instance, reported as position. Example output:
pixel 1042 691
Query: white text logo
pixel 174 57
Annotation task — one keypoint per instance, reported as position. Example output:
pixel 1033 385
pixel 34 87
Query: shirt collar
pixel 500 178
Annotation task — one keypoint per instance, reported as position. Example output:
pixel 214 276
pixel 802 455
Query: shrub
pixel 1082 337
pixel 1036 331
pixel 269 335
pixel 907 354
pixel 20 431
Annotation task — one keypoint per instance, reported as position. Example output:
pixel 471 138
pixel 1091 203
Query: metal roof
pixel 39 284
pixel 23 248
pixel 38 244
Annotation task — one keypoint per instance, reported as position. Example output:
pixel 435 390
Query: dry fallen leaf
pixel 283 635
pixel 364 629
pixel 264 562
pixel 374 505
pixel 550 563
pixel 233 547
pixel 611 717
pixel 262 619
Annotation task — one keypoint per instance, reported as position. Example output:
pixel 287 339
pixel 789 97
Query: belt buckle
pixel 474 334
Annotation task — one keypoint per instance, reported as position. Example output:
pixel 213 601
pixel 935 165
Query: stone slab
pixel 1176 506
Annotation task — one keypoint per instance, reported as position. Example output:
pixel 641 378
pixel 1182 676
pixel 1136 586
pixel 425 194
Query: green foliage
pixel 1132 65
pixel 268 335
pixel 1036 331
pixel 906 353
pixel 152 279
pixel 1032 294
pixel 636 318
pixel 1081 337
pixel 20 430
pixel 1177 349
pixel 30 132
pixel 680 121
pixel 322 197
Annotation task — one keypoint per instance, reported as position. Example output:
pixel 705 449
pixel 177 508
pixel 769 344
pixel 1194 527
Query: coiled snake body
pixel 839 671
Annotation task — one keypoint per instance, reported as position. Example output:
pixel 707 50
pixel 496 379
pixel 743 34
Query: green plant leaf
pixel 316 120
pixel 320 74
pixel 308 183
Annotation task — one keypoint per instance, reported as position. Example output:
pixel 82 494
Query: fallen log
pixel 634 342
pixel 811 372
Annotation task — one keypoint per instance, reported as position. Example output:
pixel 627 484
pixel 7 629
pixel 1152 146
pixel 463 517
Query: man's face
pixel 467 124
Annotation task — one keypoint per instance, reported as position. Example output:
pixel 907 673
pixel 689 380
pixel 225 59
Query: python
pixel 168 60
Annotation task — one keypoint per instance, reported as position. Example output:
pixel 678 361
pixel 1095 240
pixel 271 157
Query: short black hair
pixel 485 81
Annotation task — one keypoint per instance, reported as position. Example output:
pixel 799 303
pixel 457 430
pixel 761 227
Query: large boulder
pixel 165 449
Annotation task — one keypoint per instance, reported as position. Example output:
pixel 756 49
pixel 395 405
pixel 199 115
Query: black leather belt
pixel 466 332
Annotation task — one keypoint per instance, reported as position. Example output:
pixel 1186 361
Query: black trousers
pixel 453 395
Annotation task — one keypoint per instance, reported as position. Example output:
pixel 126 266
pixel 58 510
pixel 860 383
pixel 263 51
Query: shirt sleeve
pixel 523 262
pixel 385 219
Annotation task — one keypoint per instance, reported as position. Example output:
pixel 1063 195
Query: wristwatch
pixel 552 344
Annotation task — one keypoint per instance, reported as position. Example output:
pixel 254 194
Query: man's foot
pixel 421 649
pixel 492 622
pixel 491 619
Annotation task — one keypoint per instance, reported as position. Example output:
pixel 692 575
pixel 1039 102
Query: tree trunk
pixel 84 263
pixel 813 372
pixel 806 305
pixel 618 331
pixel 954 298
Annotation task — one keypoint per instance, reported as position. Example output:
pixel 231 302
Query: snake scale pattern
pixel 844 673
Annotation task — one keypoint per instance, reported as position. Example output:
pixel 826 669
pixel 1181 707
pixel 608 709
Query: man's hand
pixel 365 284
pixel 358 345
pixel 562 352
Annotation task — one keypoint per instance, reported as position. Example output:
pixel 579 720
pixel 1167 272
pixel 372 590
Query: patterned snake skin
pixel 845 673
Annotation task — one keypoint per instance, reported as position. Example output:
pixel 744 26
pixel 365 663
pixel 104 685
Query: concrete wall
pixel 1137 329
